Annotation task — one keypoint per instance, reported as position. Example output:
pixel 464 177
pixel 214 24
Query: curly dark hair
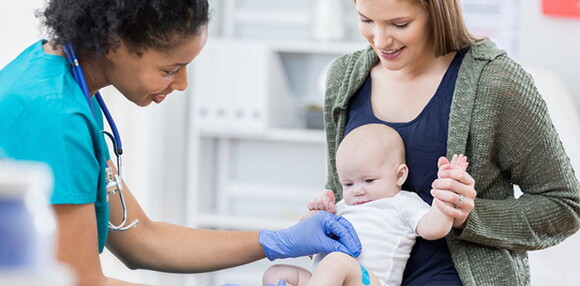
pixel 95 26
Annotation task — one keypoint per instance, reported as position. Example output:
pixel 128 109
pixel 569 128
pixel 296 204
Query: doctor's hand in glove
pixel 321 232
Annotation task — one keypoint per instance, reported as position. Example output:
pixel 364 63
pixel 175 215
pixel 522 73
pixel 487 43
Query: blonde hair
pixel 447 29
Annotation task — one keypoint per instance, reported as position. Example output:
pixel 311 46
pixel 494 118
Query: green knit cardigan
pixel 499 120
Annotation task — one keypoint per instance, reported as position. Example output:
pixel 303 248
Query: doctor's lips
pixel 158 98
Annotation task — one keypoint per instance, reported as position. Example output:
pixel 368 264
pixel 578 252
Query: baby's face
pixel 367 180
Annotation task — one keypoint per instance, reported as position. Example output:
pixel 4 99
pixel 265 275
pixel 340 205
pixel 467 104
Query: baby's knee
pixel 276 270
pixel 339 258
pixel 293 275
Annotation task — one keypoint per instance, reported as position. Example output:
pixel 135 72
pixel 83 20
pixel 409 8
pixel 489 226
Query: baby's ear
pixel 402 173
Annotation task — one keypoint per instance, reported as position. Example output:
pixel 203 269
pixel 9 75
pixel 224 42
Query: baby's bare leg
pixel 292 275
pixel 338 268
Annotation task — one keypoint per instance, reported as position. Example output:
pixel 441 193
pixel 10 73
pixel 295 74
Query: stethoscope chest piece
pixel 114 183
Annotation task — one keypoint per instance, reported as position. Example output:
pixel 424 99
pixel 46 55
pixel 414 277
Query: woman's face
pixel 398 31
pixel 155 74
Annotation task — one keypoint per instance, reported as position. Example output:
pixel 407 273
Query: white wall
pixel 553 44
pixel 18 27
pixel 154 166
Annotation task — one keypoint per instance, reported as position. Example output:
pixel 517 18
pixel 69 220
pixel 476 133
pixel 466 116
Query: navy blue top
pixel 425 139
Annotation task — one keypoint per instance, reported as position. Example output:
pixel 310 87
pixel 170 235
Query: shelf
pixel 282 17
pixel 278 134
pixel 317 47
pixel 241 223
pixel 282 193
pixel 306 47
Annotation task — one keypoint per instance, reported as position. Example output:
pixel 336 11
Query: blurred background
pixel 242 147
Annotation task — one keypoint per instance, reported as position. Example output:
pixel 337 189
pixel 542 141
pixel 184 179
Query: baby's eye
pixel 347 184
pixel 369 180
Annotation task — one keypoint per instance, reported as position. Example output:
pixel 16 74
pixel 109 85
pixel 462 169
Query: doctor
pixel 51 112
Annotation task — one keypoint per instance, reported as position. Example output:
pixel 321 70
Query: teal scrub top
pixel 45 117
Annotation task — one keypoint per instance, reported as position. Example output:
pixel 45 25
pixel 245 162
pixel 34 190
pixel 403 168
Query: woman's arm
pixel 516 143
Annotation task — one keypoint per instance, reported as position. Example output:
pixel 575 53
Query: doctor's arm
pixel 171 248
pixel 77 244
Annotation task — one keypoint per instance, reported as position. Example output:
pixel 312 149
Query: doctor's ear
pixel 118 48
pixel 402 173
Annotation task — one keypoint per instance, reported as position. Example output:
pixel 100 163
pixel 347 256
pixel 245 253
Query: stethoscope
pixel 114 182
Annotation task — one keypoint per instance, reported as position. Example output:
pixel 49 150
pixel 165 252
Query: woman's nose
pixel 382 37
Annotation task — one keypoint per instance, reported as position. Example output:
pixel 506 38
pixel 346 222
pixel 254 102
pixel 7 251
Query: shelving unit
pixel 253 164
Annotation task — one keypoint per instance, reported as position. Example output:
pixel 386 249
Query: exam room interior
pixel 156 137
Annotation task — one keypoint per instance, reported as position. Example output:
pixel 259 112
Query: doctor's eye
pixel 169 73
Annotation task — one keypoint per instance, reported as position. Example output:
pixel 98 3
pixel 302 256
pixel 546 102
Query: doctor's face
pixel 398 31
pixel 154 74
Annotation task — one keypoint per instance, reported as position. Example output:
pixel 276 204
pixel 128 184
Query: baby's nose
pixel 359 190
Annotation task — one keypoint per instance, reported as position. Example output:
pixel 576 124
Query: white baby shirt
pixel 387 231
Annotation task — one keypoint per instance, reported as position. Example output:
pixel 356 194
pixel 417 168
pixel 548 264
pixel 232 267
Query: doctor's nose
pixel 180 80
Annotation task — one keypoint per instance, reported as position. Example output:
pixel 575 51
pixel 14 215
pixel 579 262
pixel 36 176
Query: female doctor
pixel 51 112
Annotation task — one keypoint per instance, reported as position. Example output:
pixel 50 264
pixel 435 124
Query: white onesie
pixel 387 231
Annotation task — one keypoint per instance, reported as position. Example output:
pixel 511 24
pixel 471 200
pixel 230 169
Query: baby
pixel 370 162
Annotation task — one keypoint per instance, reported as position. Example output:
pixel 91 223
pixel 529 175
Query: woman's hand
pixel 454 190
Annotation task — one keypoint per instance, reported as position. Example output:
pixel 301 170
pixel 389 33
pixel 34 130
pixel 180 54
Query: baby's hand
pixel 458 162
pixel 323 203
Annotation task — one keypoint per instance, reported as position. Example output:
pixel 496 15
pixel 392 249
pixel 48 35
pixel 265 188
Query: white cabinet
pixel 252 163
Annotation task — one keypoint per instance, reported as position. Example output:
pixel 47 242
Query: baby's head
pixel 370 162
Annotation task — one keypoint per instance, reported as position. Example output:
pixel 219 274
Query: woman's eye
pixel 369 180
pixel 401 25
pixel 366 20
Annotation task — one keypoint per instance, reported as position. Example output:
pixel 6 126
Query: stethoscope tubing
pixel 80 79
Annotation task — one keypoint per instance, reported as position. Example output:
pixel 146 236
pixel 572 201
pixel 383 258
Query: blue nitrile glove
pixel 280 283
pixel 321 232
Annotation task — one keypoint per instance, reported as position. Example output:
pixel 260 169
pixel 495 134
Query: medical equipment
pixel 28 227
pixel 114 182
